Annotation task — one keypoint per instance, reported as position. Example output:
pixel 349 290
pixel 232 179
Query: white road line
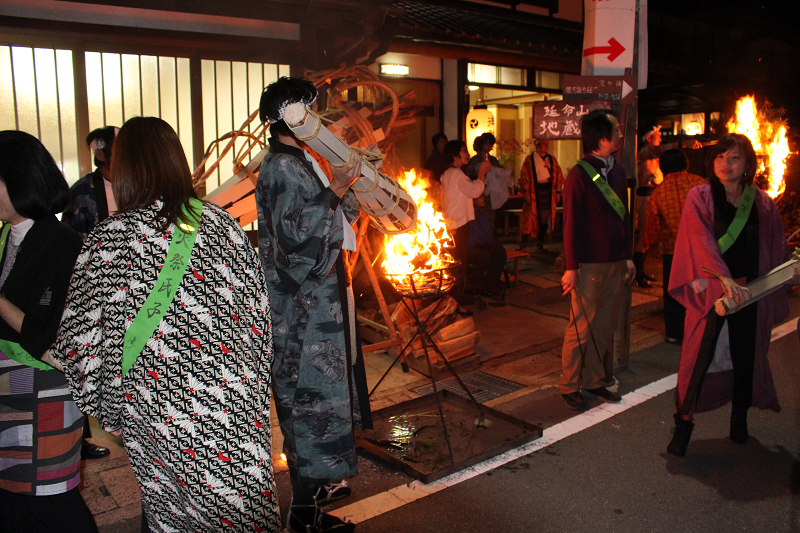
pixel 783 330
pixel 397 497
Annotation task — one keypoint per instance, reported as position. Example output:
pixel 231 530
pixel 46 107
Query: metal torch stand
pixel 427 343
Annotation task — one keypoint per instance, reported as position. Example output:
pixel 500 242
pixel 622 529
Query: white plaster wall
pixel 450 96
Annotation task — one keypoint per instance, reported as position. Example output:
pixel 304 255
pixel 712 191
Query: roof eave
pixel 479 52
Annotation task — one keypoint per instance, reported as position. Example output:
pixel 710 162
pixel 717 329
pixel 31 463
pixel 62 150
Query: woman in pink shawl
pixel 725 358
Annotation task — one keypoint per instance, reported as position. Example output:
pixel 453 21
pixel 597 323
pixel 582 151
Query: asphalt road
pixel 617 477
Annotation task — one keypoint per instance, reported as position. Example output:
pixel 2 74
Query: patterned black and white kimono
pixel 194 408
pixel 318 394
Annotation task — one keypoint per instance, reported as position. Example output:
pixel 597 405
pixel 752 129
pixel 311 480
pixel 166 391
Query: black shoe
pixel 310 519
pixel 332 492
pixel 494 293
pixel 93 451
pixel 648 277
pixel 574 401
pixel 329 523
pixel 680 436
pixel 642 282
pixel 739 433
pixel 605 394
pixel 540 247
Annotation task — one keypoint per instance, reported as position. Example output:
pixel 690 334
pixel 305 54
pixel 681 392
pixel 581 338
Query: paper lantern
pixel 479 121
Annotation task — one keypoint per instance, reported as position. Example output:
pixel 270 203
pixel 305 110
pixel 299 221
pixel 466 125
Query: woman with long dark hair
pixel 41 427
pixel 166 339
pixel 730 233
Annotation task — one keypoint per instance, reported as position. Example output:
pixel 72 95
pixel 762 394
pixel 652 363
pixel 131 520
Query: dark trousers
pixel 59 513
pixel 674 313
pixel 488 262
pixel 461 254
pixel 544 213
pixel 742 334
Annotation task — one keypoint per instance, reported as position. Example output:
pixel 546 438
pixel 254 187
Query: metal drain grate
pixel 484 387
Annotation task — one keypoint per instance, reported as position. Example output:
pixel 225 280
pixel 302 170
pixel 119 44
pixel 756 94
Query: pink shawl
pixel 697 291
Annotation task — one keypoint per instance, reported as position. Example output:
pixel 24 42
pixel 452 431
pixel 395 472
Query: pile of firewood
pixel 456 338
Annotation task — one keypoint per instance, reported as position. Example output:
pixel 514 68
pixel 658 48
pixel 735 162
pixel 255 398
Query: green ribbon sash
pixel 169 279
pixel 12 349
pixel 739 221
pixel 3 237
pixel 605 188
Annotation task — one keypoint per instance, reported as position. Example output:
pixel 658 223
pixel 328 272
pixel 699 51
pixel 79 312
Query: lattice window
pixel 231 92
pixel 37 92
pixel 121 86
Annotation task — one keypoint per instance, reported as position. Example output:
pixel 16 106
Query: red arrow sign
pixel 613 50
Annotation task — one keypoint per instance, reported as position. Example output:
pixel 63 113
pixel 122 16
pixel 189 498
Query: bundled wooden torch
pixel 390 208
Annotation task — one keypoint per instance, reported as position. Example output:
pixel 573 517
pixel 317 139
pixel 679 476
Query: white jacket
pixel 457 194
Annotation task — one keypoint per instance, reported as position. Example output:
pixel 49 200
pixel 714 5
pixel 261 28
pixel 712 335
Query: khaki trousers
pixel 595 305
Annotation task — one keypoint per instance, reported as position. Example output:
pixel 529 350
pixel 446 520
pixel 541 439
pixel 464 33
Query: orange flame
pixel 769 141
pixel 422 249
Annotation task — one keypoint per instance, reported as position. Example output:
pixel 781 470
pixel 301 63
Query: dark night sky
pixel 708 53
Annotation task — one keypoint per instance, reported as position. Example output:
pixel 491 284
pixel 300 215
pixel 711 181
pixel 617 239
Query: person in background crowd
pixel 663 218
pixel 458 191
pixel 483 144
pixel 597 249
pixel 436 162
pixel 304 229
pixel 40 441
pixel 541 181
pixel 730 233
pixel 91 202
pixel 487 256
pixel 180 368
pixel 649 175
pixel 91 197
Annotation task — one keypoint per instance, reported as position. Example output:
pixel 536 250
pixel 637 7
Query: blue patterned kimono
pixel 300 239
pixel 88 205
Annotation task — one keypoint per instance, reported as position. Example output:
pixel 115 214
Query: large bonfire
pixel 769 141
pixel 422 250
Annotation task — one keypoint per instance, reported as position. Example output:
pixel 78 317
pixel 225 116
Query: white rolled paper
pixel 767 284
pixel 389 206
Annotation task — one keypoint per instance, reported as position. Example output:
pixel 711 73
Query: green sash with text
pixel 605 188
pixel 169 279
pixel 739 221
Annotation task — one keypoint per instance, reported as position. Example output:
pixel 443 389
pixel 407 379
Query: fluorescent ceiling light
pixel 394 70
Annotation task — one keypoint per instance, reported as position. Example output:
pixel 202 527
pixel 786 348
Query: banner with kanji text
pixel 561 119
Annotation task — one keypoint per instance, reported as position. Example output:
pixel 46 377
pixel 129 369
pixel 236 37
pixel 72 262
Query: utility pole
pixel 611 54
pixel 630 112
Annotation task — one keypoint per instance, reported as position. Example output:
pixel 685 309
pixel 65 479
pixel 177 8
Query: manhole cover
pixel 411 435
pixel 484 387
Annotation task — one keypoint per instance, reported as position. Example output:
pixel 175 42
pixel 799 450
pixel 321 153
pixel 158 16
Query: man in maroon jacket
pixel 598 250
